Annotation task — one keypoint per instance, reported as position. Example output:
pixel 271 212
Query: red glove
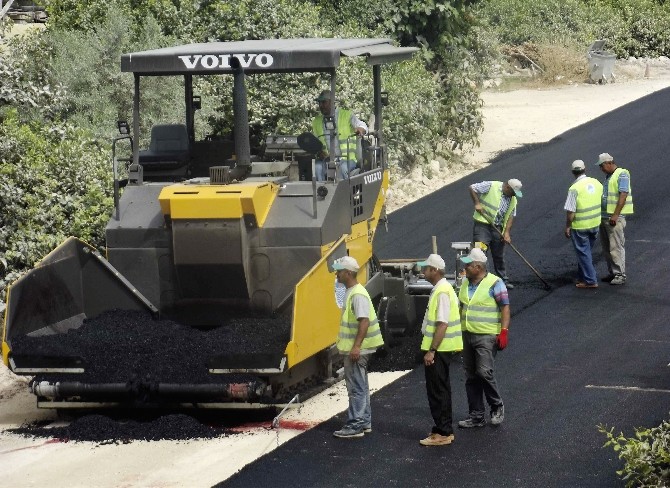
pixel 501 339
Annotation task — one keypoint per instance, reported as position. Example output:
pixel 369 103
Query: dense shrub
pixel 35 92
pixel 55 181
pixel 87 63
pixel 539 22
pixel 634 27
pixel 646 456
pixel 631 27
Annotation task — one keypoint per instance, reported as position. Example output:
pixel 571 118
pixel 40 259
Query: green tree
pixel 55 181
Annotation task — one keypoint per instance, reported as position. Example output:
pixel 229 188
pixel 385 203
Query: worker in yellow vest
pixel 338 135
pixel 495 210
pixel 485 318
pixel 442 341
pixel 358 338
pixel 616 204
pixel 582 222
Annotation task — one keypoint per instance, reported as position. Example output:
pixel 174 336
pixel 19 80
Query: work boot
pixel 348 433
pixel 619 279
pixel 607 278
pixel 470 422
pixel 498 415
pixel 581 284
pixel 435 439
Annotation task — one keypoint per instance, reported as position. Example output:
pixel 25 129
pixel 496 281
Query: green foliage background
pixel 435 106
pixel 54 182
pixel 631 27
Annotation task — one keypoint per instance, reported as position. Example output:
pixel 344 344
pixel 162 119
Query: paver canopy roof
pixel 261 56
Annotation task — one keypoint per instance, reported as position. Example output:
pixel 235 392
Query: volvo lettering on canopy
pixel 222 61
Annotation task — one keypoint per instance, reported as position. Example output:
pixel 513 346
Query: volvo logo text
pixel 222 61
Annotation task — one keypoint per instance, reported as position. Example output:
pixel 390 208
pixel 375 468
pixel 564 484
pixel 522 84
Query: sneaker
pixel 498 415
pixel 581 284
pixel 348 433
pixel 367 429
pixel 509 285
pixel 607 278
pixel 470 423
pixel 437 440
pixel 618 280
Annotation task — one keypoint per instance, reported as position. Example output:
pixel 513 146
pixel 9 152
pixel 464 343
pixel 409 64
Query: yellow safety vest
pixel 349 325
pixel 480 314
pixel 453 338
pixel 345 134
pixel 589 194
pixel 491 203
pixel 613 193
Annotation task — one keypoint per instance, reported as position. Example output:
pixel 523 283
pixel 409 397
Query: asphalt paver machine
pixel 205 228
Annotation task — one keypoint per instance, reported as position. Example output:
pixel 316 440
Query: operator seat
pixel 168 149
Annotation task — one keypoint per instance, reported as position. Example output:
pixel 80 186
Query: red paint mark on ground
pixel 52 441
pixel 296 424
pixel 267 425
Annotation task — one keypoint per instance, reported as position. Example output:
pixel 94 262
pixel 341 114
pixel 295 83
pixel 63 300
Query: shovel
pixel 547 286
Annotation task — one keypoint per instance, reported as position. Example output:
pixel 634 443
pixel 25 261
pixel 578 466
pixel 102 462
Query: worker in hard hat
pixel 358 338
pixel 442 341
pixel 495 210
pixel 344 127
pixel 485 319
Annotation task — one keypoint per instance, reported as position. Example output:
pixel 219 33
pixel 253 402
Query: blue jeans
pixel 344 167
pixel 583 241
pixel 359 414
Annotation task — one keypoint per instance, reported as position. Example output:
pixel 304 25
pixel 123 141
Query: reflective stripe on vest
pixel 349 324
pixel 613 193
pixel 453 338
pixel 345 134
pixel 589 196
pixel 491 203
pixel 480 314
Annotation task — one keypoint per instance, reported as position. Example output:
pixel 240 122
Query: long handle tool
pixel 537 273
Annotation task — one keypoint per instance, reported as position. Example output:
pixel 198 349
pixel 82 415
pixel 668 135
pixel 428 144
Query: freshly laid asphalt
pixel 576 359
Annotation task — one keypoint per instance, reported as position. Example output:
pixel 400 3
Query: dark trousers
pixel 478 353
pixel 487 234
pixel 438 388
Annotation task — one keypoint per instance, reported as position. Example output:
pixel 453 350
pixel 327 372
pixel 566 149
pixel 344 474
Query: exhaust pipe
pixel 241 121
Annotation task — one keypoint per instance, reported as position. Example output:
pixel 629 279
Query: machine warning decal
pixel 371 178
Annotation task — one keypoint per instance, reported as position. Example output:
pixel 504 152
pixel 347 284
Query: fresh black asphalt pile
pixel 105 430
pixel 122 346
pixel 398 354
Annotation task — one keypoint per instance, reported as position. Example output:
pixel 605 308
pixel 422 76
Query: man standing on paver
pixel 495 210
pixel 358 338
pixel 617 202
pixel 485 318
pixel 442 340
pixel 582 221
